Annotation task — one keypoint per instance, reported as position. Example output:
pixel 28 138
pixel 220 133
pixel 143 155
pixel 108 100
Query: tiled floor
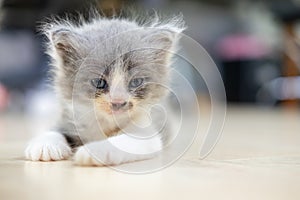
pixel 257 157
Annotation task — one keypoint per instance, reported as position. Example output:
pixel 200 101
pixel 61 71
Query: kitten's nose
pixel 116 105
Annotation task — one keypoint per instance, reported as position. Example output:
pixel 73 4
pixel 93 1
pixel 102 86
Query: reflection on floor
pixel 257 157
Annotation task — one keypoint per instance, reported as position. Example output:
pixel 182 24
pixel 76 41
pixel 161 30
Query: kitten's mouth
pixel 120 109
pixel 117 112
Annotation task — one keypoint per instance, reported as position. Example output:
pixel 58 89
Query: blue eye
pixel 136 82
pixel 99 83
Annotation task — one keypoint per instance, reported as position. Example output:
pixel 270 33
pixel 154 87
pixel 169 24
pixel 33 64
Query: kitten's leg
pixel 107 152
pixel 50 146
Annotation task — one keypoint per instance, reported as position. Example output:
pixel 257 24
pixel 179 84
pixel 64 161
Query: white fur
pixel 50 146
pixel 117 150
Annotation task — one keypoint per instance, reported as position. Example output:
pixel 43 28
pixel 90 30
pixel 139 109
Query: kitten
pixel 108 74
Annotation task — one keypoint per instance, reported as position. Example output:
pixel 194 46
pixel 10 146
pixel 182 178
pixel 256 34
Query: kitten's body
pixel 132 61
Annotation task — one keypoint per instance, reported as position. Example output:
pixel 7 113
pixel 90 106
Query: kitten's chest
pixel 99 128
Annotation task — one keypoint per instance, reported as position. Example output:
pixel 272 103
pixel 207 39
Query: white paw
pixel 51 146
pixel 102 153
pixel 99 153
pixel 83 158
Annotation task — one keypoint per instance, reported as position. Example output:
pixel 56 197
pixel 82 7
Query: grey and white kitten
pixel 108 74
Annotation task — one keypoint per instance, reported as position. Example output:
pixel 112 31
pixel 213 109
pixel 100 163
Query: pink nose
pixel 118 104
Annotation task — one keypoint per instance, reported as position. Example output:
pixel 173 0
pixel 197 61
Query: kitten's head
pixel 120 65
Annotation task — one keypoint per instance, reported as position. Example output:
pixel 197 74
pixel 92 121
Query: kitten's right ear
pixel 66 43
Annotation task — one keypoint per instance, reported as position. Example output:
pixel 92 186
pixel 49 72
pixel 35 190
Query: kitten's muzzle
pixel 116 106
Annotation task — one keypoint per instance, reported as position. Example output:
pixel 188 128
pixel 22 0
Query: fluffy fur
pixel 107 75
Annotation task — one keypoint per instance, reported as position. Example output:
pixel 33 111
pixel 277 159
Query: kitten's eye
pixel 136 82
pixel 99 83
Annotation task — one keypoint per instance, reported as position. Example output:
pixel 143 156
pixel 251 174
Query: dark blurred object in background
pixel 246 66
pixel 26 14
pixel 19 59
pixel 19 39
pixel 252 65
pixel 23 63
pixel 288 12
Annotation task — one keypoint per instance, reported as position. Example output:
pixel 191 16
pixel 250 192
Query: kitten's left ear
pixel 165 37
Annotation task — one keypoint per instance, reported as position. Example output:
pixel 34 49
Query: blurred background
pixel 255 45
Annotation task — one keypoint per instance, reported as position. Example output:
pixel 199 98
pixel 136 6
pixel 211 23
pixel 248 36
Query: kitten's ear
pixel 164 37
pixel 66 43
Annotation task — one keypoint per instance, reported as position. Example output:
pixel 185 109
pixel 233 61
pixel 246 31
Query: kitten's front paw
pixel 51 146
pixel 83 158
pixel 109 153
pixel 100 153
